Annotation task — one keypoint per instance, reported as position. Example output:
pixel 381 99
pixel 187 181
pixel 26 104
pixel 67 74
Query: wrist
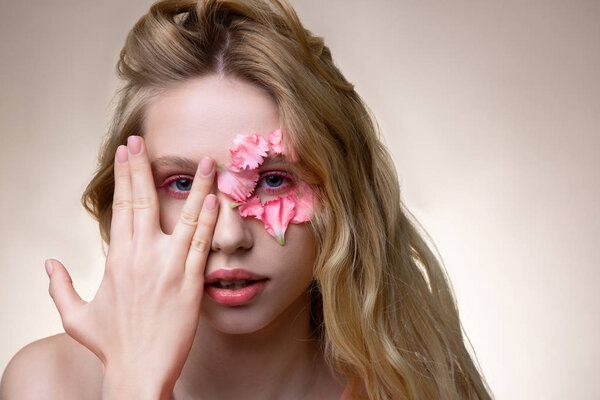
pixel 119 384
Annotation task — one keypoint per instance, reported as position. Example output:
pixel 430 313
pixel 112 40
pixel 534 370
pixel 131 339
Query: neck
pixel 282 360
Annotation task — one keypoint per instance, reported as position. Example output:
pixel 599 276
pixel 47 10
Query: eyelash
pixel 177 194
pixel 181 195
pixel 280 189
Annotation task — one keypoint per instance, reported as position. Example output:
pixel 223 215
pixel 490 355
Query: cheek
pixel 300 249
pixel 169 213
pixel 306 244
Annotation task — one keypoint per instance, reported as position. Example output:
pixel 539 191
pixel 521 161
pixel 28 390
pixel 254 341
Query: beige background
pixel 491 110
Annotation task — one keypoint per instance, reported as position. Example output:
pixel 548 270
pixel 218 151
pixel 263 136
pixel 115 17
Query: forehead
pixel 201 117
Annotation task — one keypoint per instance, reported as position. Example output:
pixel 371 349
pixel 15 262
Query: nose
pixel 231 230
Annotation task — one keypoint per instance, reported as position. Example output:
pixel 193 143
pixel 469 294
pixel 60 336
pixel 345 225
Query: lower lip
pixel 237 297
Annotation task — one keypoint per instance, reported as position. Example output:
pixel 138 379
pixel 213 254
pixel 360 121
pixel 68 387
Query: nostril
pixel 231 232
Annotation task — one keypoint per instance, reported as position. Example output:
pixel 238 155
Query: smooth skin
pixel 150 322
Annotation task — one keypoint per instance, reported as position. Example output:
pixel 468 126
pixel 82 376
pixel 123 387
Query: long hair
pixel 387 315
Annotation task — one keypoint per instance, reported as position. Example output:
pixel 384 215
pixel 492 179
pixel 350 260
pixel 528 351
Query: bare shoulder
pixel 56 367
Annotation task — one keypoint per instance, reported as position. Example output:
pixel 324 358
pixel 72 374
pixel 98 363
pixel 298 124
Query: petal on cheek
pixel 238 180
pixel 236 183
pixel 303 198
pixel 252 208
pixel 277 215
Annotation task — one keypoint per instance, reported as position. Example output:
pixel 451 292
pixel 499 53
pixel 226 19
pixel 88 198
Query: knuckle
pixel 121 204
pixel 188 218
pixel 200 245
pixel 143 203
pixel 121 174
pixel 51 290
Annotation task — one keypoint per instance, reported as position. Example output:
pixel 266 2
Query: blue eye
pixel 182 184
pixel 177 186
pixel 274 182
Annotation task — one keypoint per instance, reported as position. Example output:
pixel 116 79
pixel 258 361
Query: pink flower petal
pixel 236 183
pixel 248 151
pixel 277 215
pixel 303 199
pixel 275 141
pixel 252 208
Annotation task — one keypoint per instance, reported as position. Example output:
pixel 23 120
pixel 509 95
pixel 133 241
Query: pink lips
pixel 234 297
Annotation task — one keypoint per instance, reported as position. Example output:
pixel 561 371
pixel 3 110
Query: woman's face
pixel 202 117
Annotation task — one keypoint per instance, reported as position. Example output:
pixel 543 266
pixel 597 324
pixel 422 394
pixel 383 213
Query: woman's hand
pixel 143 319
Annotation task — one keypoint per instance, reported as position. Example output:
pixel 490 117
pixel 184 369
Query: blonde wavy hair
pixel 385 309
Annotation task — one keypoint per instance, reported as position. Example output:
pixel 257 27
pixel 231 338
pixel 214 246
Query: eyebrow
pixel 191 164
pixel 173 161
pixel 275 159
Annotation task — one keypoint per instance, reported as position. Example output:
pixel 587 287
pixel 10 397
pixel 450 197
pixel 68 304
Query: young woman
pixel 258 245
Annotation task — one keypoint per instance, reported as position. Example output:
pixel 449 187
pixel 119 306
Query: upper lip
pixel 235 274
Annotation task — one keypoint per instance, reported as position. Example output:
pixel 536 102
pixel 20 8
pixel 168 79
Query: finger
pixel 188 218
pixel 121 226
pixel 145 199
pixel 201 242
pixel 63 294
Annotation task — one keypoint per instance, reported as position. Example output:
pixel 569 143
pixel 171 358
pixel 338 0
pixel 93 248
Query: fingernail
pixel 122 154
pixel 134 144
pixel 211 201
pixel 206 166
pixel 48 266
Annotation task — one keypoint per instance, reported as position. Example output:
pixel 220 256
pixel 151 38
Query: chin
pixel 254 317
pixel 237 320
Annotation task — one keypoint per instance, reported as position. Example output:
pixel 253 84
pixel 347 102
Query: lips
pixel 234 287
pixel 236 274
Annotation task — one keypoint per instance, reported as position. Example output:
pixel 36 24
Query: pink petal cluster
pixel 252 208
pixel 238 181
pixel 235 182
pixel 248 151
pixel 277 215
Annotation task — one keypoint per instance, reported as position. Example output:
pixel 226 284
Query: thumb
pixel 63 293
